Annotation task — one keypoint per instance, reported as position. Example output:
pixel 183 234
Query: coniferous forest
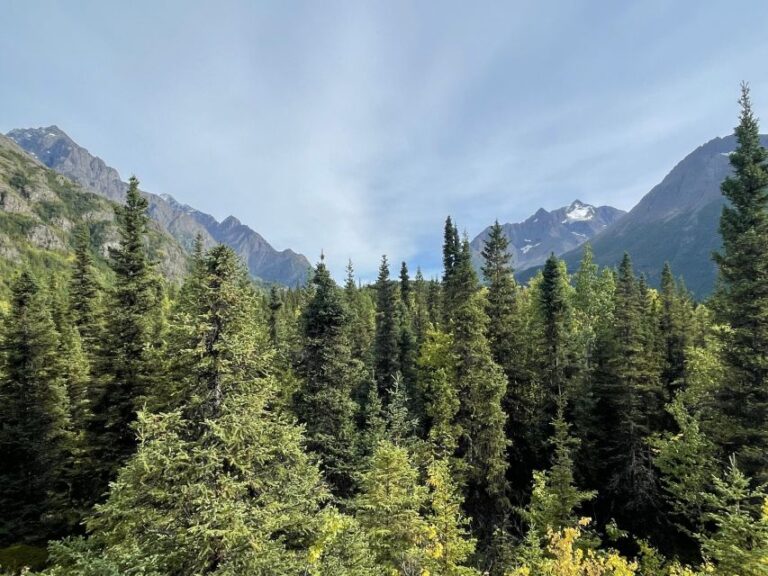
pixel 583 424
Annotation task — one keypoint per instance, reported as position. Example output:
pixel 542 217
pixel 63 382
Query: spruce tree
pixel 221 486
pixel 481 386
pixel 35 434
pixel 742 298
pixel 554 307
pixel 389 508
pixel 275 304
pixel 84 291
pixel 331 378
pixel 407 341
pixel 498 275
pixel 386 351
pixel 126 369
pixel 629 402
pixel 362 318
pixel 675 330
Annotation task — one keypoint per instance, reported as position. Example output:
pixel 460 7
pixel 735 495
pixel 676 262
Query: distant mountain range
pixel 533 240
pixel 53 148
pixel 39 211
pixel 677 221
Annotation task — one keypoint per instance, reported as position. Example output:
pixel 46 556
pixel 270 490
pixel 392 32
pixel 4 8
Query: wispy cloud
pixel 356 127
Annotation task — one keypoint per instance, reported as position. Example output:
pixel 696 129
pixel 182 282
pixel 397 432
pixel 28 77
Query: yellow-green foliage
pixel 564 557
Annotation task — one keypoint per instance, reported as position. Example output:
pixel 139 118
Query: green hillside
pixel 39 211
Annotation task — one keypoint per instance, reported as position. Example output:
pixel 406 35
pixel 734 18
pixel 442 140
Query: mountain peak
pixel 579 212
pixel 231 222
pixel 560 230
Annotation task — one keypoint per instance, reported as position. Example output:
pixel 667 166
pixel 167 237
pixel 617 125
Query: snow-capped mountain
pixel 558 231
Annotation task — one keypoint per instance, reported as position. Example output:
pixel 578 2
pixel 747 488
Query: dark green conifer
pixel 630 405
pixel 128 371
pixel 386 347
pixel 742 298
pixel 331 378
pixel 84 292
pixel 35 434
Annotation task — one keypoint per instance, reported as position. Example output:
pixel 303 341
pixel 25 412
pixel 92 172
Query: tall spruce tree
pixel 498 275
pixel 386 351
pixel 35 434
pixel 675 329
pixel 742 298
pixel 630 406
pixel 275 304
pixel 407 342
pixel 481 386
pixel 331 377
pixel 84 291
pixel 127 371
pixel 554 307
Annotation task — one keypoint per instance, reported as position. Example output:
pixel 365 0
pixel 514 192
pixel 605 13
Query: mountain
pixel 56 150
pixel 677 221
pixel 533 240
pixel 39 210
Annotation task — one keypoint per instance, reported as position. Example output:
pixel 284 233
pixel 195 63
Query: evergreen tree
pixel 738 544
pixel 275 304
pixel 407 341
pixel 630 406
pixel 331 378
pixel 498 275
pixel 35 435
pixel 84 291
pixel 421 318
pixel 675 329
pixel 451 258
pixel 450 544
pixel 555 496
pixel 554 307
pixel 126 367
pixel 389 509
pixel 361 325
pixel 438 393
pixel 405 286
pixel 742 298
pixel 221 486
pixel 481 385
pixel 386 349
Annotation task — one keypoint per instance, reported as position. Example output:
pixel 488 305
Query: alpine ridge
pixel 545 232
pixel 676 222
pixel 56 150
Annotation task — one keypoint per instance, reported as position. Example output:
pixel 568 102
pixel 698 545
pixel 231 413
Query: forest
pixel 583 424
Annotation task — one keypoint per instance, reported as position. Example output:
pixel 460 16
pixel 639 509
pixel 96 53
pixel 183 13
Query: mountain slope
pixel 39 210
pixel 58 151
pixel 558 231
pixel 677 221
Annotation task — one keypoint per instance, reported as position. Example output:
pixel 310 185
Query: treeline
pixel 585 424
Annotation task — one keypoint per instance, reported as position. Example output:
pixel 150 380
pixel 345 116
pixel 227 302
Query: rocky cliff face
pixel 56 150
pixel 39 210
pixel 533 240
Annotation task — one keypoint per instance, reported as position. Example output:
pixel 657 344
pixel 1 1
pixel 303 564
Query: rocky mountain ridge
pixel 559 231
pixel 56 150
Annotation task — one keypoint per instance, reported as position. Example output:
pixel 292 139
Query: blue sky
pixel 356 127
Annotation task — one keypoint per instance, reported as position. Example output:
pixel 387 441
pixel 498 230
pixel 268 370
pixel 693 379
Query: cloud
pixel 355 128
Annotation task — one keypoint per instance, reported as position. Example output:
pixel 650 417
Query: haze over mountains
pixel 56 150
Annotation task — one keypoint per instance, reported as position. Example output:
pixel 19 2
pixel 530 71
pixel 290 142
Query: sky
pixel 356 127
